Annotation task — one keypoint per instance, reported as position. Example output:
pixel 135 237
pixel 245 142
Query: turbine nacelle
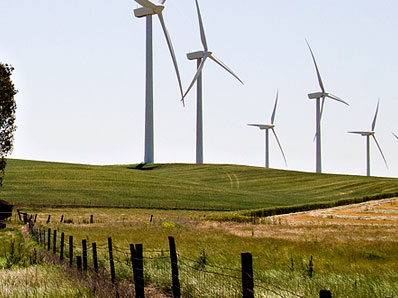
pixel 316 95
pixel 363 133
pixel 263 126
pixel 198 55
pixel 146 11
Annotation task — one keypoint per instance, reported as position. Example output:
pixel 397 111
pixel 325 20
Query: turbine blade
pixel 279 144
pixel 381 152
pixel 395 135
pixel 225 67
pixel 146 3
pixel 316 134
pixel 357 132
pixel 195 78
pixel 202 30
pixel 274 112
pixel 375 117
pixel 171 49
pixel 317 69
pixel 337 99
pixel 162 1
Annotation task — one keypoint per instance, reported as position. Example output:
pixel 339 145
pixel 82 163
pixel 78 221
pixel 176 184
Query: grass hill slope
pixel 179 186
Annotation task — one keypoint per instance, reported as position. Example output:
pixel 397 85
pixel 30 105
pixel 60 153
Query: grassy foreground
pixel 179 186
pixel 289 260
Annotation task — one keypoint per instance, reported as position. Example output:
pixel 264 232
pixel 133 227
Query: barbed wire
pixel 209 265
pixel 257 283
pixel 210 272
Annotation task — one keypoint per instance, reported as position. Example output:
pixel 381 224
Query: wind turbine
pixel 147 10
pixel 271 127
pixel 369 134
pixel 201 57
pixel 319 110
pixel 395 135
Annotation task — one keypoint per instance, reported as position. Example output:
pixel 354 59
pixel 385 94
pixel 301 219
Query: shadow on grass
pixel 143 167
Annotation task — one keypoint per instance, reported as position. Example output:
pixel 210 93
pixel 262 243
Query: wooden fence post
pixel 91 218
pixel 247 275
pixel 55 242
pixel 138 269
pixel 113 274
pixel 84 248
pixel 48 219
pixel 325 294
pixel 79 262
pixel 62 218
pixel 70 250
pixel 44 237
pixel 48 239
pixel 174 268
pixel 35 218
pixel 61 249
pixel 19 215
pixel 95 259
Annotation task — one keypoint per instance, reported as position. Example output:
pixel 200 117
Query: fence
pixel 167 271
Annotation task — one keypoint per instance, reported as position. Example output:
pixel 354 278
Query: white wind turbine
pixel 395 135
pixel 147 10
pixel 271 127
pixel 319 110
pixel 369 134
pixel 201 57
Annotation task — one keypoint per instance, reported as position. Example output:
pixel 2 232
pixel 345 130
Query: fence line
pixel 232 282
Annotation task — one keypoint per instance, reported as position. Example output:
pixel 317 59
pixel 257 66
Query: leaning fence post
pixel 48 219
pixel 61 249
pixel 325 294
pixel 84 248
pixel 48 239
pixel 62 218
pixel 95 260
pixel 247 275
pixel 174 268
pixel 35 218
pixel 55 242
pixel 70 250
pixel 113 274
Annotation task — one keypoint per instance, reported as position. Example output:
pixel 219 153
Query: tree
pixel 7 115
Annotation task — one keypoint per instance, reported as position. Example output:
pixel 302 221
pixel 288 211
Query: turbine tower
pixel 201 57
pixel 267 128
pixel 147 10
pixel 369 134
pixel 319 111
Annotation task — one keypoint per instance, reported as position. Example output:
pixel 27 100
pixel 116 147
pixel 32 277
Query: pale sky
pixel 80 72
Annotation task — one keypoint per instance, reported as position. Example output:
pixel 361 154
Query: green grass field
pixel 179 186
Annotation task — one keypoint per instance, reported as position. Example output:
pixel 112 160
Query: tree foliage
pixel 7 114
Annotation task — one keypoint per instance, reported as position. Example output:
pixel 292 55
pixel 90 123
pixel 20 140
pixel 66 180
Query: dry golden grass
pixel 369 221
